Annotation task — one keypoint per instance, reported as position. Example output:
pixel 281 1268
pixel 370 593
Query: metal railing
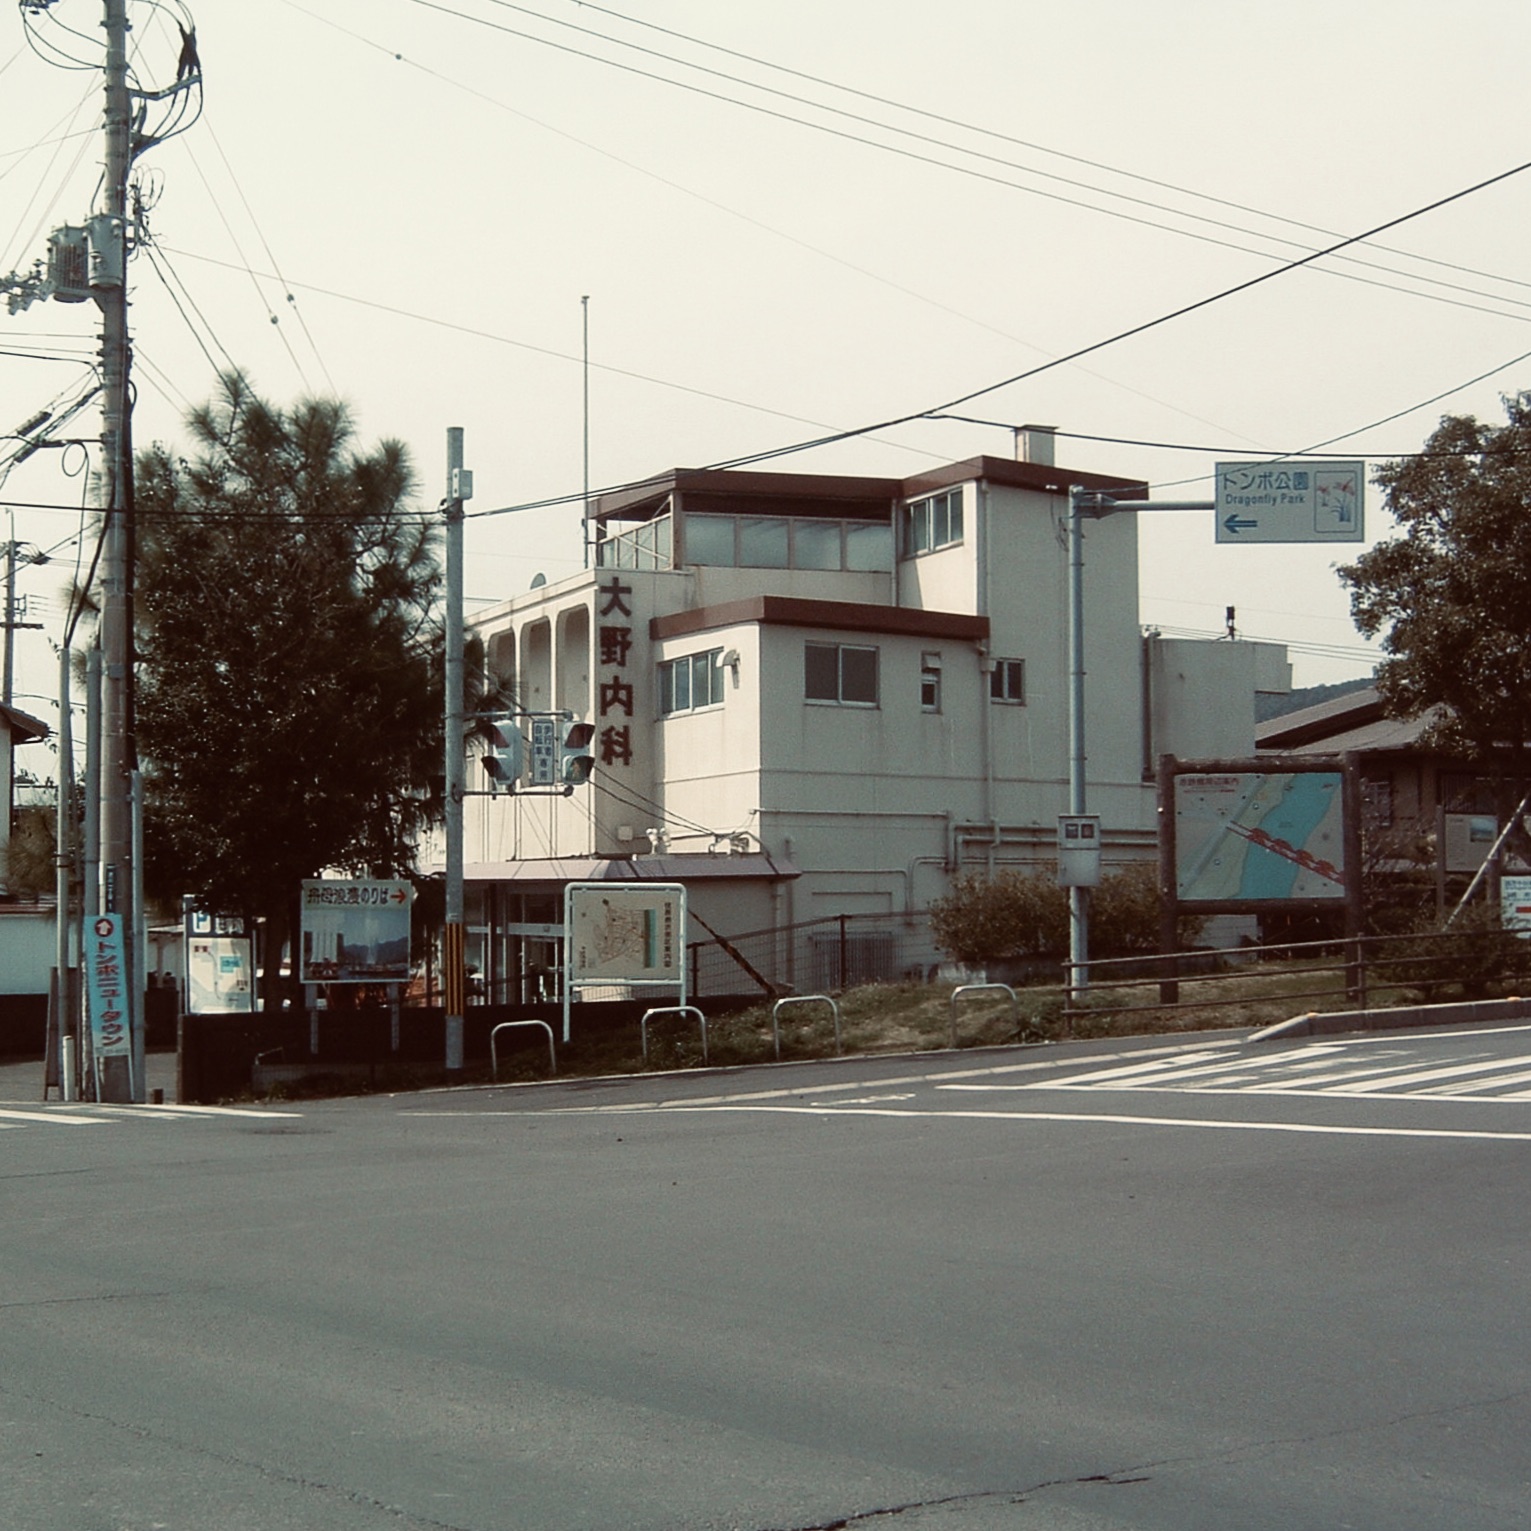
pixel 1361 971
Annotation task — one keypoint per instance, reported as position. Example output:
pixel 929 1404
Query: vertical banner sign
pixel 106 987
pixel 544 752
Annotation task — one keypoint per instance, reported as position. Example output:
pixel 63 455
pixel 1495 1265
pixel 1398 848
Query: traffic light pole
pixel 1095 504
pixel 454 977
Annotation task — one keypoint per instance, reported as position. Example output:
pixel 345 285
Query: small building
pixel 818 698
pixel 1429 813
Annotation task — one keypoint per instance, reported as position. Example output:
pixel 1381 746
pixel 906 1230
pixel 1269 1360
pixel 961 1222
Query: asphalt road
pixel 1085 1287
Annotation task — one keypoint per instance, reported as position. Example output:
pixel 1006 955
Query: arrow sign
pixel 1290 500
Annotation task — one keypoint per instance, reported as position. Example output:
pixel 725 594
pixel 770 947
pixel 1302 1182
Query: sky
pixel 768 223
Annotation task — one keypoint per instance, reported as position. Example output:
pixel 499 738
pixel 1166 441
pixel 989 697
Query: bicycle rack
pixel 979 988
pixel 494 1057
pixel 643 1025
pixel 803 999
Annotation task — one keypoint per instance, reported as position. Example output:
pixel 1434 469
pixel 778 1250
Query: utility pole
pixel 453 974
pixel 118 762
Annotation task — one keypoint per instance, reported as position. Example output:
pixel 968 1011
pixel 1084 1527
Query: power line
pixel 435 5
pixel 536 350
pixel 733 212
pixel 970 127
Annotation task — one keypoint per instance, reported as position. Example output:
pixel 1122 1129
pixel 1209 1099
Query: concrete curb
pixel 1464 1013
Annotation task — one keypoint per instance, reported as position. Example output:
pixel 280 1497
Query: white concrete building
pixel 817 696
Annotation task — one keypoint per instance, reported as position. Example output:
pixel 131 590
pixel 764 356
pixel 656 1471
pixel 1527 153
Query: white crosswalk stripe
pixel 97 1114
pixel 1339 1069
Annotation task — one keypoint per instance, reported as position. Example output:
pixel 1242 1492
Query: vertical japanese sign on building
pixel 106 987
pixel 614 646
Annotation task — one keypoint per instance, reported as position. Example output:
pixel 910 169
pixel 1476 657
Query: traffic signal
pixel 577 757
pixel 502 760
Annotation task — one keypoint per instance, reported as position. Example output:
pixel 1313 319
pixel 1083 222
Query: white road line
pixel 98 1114
pixel 1099 1118
pixel 1473 1084
pixel 174 1111
pixel 1452 1071
pixel 50 1118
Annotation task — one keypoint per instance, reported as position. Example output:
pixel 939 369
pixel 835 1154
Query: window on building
pixel 1007 681
pixel 840 672
pixel 930 682
pixel 788 542
pixel 1377 803
pixel 934 522
pixel 693 681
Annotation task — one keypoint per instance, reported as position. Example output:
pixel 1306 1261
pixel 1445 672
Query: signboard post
pixel 1287 501
pixel 1275 834
pixel 219 960
pixel 631 934
pixel 1515 904
pixel 355 931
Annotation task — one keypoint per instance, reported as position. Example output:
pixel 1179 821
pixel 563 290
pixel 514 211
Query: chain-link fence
pixel 836 953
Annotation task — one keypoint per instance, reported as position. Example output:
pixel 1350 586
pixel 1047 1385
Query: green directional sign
pixel 1290 501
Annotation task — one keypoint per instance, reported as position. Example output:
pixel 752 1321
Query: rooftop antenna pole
pixel 584 305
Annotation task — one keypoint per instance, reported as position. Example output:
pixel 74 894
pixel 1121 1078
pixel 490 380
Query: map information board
pixel 1254 836
pixel 632 934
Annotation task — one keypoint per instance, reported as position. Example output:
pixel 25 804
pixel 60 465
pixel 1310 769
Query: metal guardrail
pixel 1342 971
pixel 803 999
pixel 643 1024
pixel 980 988
pixel 494 1057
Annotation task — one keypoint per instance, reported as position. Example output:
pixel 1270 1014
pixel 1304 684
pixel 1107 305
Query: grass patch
pixel 887 1018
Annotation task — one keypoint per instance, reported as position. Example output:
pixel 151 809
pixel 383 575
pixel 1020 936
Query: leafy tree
pixel 1026 914
pixel 289 703
pixel 1451 595
pixel 29 868
pixel 1012 914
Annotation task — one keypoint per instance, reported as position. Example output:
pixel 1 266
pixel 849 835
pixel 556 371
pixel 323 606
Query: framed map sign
pixel 1259 836
pixel 633 933
pixel 628 935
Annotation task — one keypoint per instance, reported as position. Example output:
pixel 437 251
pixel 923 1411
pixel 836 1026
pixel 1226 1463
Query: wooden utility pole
pixel 453 974
pixel 109 288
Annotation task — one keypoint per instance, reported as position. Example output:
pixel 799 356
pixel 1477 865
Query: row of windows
pixel 789 542
pixel 846 674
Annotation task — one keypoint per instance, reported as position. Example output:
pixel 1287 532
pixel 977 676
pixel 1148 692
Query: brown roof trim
pixel 651 492
pixel 842 616
pixel 25 729
pixel 736 482
pixel 1042 477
